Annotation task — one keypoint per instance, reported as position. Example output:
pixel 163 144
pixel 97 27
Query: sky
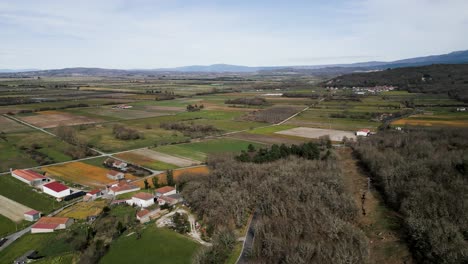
pixel 145 34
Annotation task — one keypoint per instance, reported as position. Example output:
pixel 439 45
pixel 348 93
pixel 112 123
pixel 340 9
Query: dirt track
pixel 181 162
pixel 12 210
pixel 307 132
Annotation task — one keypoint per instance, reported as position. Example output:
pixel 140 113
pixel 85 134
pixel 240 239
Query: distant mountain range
pixel 458 57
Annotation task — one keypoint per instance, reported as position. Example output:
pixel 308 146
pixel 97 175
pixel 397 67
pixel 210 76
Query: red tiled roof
pixel 28 175
pixel 364 130
pixel 113 172
pixel 165 189
pixel 167 199
pixel 93 192
pixel 142 213
pixel 123 187
pixel 56 186
pixel 117 162
pixel 143 196
pixel 53 220
pixel 44 226
pixel 32 212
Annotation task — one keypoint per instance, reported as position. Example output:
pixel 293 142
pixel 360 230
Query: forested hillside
pixel 305 215
pixel 423 174
pixel 440 78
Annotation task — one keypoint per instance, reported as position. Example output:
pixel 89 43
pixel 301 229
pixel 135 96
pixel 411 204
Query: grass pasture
pixel 155 245
pixel 24 194
pixel 6 226
pixel 200 150
pixel 10 126
pixel 82 173
pixel 435 119
pixel 48 119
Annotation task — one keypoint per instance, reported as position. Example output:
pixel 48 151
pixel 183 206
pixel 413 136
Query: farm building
pixel 119 164
pixel 28 176
pixel 92 195
pixel 171 199
pixel 122 187
pixel 50 224
pixel 115 175
pixel 32 215
pixel 165 191
pixel 142 214
pixel 145 215
pixel 363 132
pixel 56 189
pixel 142 199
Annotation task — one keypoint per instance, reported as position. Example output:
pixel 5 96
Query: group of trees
pixel 194 108
pixel 190 129
pixel 304 213
pixel 309 151
pixel 423 174
pixel 181 223
pixel 79 147
pixel 247 101
pixel 125 133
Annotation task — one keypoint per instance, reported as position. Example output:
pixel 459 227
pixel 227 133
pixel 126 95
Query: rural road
pixel 248 241
pixel 13 237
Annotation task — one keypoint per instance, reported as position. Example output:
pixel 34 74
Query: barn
pixel 115 175
pixel 56 189
pixel 363 132
pixel 165 191
pixel 32 215
pixel 50 224
pixel 28 176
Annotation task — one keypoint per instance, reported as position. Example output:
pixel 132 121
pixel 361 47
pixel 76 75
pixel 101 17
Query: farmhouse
pixel 28 176
pixel 32 215
pixel 119 164
pixel 56 189
pixel 115 175
pixel 92 195
pixel 145 215
pixel 363 132
pixel 50 224
pixel 165 191
pixel 141 199
pixel 142 215
pixel 122 187
pixel 170 199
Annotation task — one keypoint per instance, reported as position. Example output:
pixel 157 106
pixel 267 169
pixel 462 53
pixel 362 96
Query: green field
pixel 13 156
pixel 49 245
pixel 24 194
pixel 200 150
pixel 155 246
pixel 6 226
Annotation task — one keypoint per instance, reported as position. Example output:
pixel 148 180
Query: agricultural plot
pixel 200 150
pixel 82 210
pixel 307 132
pixel 48 119
pixel 22 193
pixel 156 160
pixel 125 114
pixel 6 226
pixel 435 120
pixel 81 173
pixel 10 126
pixel 163 245
pixel 200 170
pixel 29 149
pixel 12 210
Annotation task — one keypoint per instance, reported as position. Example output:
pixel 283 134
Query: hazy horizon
pixel 160 34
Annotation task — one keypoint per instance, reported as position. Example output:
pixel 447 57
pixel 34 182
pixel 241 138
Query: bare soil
pixel 178 161
pixel 48 119
pixel 308 132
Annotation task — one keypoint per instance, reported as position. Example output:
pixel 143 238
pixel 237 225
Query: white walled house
pixel 165 191
pixel 56 189
pixel 141 200
pixel 28 176
pixel 50 224
pixel 119 164
pixel 32 215
pixel 92 195
pixel 115 175
pixel 363 132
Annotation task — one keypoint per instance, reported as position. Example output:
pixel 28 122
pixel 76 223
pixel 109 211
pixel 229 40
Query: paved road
pixel 247 246
pixel 13 237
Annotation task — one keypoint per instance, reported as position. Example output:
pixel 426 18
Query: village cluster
pixel 148 202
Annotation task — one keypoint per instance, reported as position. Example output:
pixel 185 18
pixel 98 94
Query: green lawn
pixel 232 259
pixel 6 226
pixel 155 246
pixel 49 245
pixel 24 194
pixel 199 150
